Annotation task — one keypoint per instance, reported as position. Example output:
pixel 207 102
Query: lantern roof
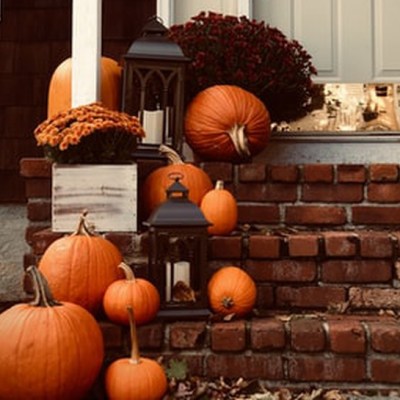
pixel 177 210
pixel 155 44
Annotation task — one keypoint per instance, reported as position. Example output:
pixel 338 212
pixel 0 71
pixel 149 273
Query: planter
pixel 107 192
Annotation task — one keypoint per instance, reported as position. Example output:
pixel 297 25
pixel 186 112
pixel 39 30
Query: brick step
pixel 294 350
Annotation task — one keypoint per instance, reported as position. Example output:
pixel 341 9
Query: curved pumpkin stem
pixel 135 355
pixel 219 185
pixel 172 156
pixel 82 228
pixel 129 274
pixel 239 140
pixel 43 295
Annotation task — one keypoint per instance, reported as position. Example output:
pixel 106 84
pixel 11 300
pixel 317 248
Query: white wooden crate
pixel 107 192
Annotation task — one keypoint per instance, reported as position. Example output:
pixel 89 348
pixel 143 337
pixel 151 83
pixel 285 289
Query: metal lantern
pixel 178 255
pixel 153 88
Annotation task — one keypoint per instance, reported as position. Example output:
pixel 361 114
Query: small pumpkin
pixel 220 209
pixel 48 349
pixel 59 94
pixel 227 123
pixel 231 291
pixel 79 267
pixel 135 377
pixel 141 294
pixel 158 181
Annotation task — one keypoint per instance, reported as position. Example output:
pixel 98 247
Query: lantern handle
pixel 175 176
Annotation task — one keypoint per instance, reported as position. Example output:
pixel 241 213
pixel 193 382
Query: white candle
pixel 181 273
pixel 153 126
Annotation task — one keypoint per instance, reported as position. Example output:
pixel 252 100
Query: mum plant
pixel 89 134
pixel 249 54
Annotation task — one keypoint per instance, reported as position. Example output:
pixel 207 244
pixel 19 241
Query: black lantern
pixel 178 255
pixel 153 88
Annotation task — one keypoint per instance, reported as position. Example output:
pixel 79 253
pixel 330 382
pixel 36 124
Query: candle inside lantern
pixel 176 272
pixel 153 126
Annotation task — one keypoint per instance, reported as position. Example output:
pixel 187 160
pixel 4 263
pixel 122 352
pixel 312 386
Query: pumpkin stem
pixel 43 295
pixel 83 228
pixel 239 140
pixel 219 185
pixel 228 302
pixel 135 355
pixel 129 275
pixel 172 156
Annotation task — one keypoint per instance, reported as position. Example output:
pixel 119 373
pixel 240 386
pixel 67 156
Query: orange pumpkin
pixel 153 191
pixel 220 209
pixel 231 291
pixel 141 294
pixel 135 377
pixel 59 95
pixel 80 267
pixel 227 123
pixel 48 350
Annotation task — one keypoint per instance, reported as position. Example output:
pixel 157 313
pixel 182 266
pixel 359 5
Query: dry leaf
pixel 181 292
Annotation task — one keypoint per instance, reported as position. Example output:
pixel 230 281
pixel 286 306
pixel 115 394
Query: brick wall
pixel 321 242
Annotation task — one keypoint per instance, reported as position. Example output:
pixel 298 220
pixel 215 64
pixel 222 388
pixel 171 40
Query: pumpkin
pixel 141 294
pixel 158 181
pixel 135 377
pixel 220 209
pixel 231 291
pixel 79 267
pixel 59 93
pixel 227 123
pixel 48 350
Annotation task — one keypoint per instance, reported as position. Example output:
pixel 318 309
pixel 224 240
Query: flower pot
pixel 107 192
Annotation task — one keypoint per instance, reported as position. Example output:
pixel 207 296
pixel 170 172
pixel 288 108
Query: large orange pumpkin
pixel 153 191
pixel 227 123
pixel 135 377
pixel 141 294
pixel 59 94
pixel 80 267
pixel 220 209
pixel 231 290
pixel 48 350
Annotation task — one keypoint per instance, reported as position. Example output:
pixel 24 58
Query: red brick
pixel 375 245
pixel 37 188
pixel 374 298
pixel 258 213
pixel 383 172
pixel 385 337
pixel 39 210
pixel 383 192
pixel 228 336
pixel 225 247
pixel 348 173
pixel 194 361
pixel 218 170
pixel 307 334
pixel 35 168
pixel 309 297
pixel 283 173
pixel 267 334
pixel 365 271
pixel 187 335
pixel 255 366
pixel 113 334
pixel 318 173
pixel 340 244
pixel 270 192
pixel 385 370
pixel 283 270
pixel 43 239
pixel 303 245
pixel 32 229
pixel 375 215
pixel 315 215
pixel 326 369
pixel 346 336
pixel 151 335
pixel 262 246
pixel 124 241
pixel 332 193
pixel 265 297
pixel 253 172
